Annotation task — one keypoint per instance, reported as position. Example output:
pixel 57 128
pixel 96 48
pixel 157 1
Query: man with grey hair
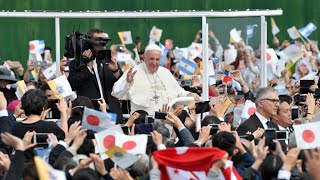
pixel 148 85
pixel 267 103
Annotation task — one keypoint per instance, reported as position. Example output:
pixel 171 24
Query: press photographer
pixel 94 71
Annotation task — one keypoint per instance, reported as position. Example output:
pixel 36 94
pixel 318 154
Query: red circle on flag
pixel 109 141
pixel 31 47
pixel 93 120
pixel 129 145
pixel 251 111
pixel 268 57
pixel 308 136
pixel 227 79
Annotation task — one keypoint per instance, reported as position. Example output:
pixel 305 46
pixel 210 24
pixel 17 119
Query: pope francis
pixel 148 85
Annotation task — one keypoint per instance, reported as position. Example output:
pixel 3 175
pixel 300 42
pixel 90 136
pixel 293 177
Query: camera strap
pixel 95 69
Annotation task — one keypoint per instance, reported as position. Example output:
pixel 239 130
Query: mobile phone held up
pixel 202 107
pixel 40 138
pixel 143 128
pixel 160 115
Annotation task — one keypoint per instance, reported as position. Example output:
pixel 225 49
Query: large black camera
pixel 298 99
pixel 77 42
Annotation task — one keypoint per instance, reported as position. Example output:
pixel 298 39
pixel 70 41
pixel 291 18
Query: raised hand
pixel 130 74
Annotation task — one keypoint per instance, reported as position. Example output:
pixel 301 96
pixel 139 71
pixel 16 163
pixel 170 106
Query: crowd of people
pixel 135 91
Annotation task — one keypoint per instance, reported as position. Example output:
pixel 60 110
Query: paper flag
pixel 50 72
pixel 60 87
pixel 307 135
pixel 155 34
pixel 46 172
pixel 248 109
pixel 125 37
pixel 133 144
pixel 271 56
pixel 121 157
pixel 96 120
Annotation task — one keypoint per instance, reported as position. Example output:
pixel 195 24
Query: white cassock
pixel 148 91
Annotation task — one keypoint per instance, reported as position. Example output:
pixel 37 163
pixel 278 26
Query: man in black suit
pixel 283 118
pixel 267 103
pixel 94 78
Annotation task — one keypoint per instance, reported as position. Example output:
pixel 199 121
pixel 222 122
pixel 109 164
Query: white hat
pixel 152 47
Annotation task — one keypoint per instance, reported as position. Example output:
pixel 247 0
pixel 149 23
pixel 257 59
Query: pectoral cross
pixel 156 97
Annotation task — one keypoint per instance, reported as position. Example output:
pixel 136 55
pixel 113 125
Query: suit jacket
pixel 85 84
pixel 252 124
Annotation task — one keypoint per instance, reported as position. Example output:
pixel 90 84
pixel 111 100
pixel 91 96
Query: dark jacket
pixel 85 84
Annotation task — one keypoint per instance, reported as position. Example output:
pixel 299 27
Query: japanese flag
pixel 106 139
pixel 60 87
pixel 96 120
pixel 195 50
pixel 248 109
pixel 307 135
pixel 133 144
pixel 271 56
pixel 36 46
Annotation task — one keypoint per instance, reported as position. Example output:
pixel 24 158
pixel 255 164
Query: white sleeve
pixel 3 113
pixel 121 87
pixel 283 174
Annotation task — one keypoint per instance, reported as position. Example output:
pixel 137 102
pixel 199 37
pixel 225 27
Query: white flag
pixel 293 33
pixel 307 135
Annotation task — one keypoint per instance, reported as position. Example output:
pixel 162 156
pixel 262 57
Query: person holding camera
pixel 96 74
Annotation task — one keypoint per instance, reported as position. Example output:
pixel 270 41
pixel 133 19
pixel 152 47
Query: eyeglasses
pixel 275 101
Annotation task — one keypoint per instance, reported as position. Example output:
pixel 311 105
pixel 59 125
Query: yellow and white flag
pixel 60 87
pixel 46 172
pixel 155 34
pixel 22 88
pixel 125 37
pixel 235 36
pixel 274 28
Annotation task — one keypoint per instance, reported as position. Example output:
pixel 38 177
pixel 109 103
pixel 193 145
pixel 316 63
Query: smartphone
pixel 282 135
pixel 202 107
pixel 52 104
pixel 294 112
pixel 305 85
pixel 95 103
pixel 248 137
pixel 40 138
pixel 39 63
pixel 160 115
pixel 270 135
pixel 143 128
pixel 125 129
pixel 47 55
pixel 184 83
pixel 214 128
pixel 149 119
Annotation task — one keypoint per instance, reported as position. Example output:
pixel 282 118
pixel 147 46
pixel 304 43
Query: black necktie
pixel 269 124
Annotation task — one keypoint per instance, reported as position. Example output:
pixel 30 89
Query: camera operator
pixel 95 77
